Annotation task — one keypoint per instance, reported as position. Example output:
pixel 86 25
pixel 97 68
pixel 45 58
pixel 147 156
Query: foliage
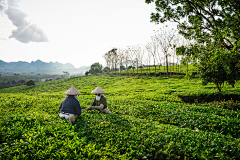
pixel 66 73
pixel 188 76
pixel 95 68
pixel 106 69
pixel 30 83
pixel 150 121
pixel 86 73
pixel 219 67
pixel 214 28
pixel 5 81
pixel 22 82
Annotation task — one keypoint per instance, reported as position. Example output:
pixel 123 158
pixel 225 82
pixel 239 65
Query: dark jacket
pixel 70 105
pixel 102 101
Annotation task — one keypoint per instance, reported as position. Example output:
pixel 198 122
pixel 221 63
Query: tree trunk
pixel 155 67
pixel 167 64
pixel 159 69
pixel 219 88
pixel 120 68
pixel 137 67
pixel 149 67
pixel 173 66
pixel 155 70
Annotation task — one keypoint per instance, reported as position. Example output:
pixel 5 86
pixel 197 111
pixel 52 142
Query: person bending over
pixel 70 106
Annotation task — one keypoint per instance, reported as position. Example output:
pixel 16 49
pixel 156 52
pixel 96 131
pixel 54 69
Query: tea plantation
pixel 153 118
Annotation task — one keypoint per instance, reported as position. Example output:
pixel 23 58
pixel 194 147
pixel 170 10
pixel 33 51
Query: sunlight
pixel 36 14
pixel 50 16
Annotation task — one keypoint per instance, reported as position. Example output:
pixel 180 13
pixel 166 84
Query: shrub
pixel 30 83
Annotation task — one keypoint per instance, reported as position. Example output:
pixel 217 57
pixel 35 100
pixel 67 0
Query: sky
pixel 79 32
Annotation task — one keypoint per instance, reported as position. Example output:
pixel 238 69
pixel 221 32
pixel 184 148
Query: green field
pixel 153 118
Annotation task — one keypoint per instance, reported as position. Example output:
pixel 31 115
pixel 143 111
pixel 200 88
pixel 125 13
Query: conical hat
pixel 98 90
pixel 72 91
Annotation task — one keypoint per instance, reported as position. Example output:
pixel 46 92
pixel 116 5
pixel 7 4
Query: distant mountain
pixel 35 65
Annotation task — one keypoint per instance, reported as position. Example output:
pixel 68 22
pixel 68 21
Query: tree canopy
pixel 96 68
pixel 30 83
pixel 213 26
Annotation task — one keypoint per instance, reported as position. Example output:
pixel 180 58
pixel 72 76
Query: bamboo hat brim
pixel 98 90
pixel 72 91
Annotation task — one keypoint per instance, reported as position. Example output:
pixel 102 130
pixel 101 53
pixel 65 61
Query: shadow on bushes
pixel 227 101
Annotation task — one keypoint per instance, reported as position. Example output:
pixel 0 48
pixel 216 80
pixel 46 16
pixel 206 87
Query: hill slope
pixel 151 120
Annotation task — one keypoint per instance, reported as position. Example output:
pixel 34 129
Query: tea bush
pixel 150 120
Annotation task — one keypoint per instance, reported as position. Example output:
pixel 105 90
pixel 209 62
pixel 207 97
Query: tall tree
pixel 147 60
pixel 140 56
pixel 131 56
pixel 126 58
pixel 215 26
pixel 152 48
pixel 121 59
pixel 106 56
pixel 115 58
pixel 134 55
pixel 165 38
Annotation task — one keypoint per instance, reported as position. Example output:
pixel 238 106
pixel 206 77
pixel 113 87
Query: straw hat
pixel 72 91
pixel 98 90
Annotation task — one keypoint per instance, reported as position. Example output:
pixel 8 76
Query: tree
pixel 66 73
pixel 13 82
pixel 131 56
pixel 121 58
pixel 122 68
pixel 106 56
pixel 218 72
pixel 147 60
pixel 95 68
pixel 106 69
pixel 126 59
pixel 111 58
pixel 140 57
pixel 152 48
pixel 136 50
pixel 30 83
pixel 87 73
pixel 165 38
pixel 214 25
pixel 115 58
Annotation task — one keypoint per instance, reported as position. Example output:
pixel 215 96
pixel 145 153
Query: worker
pixel 70 106
pixel 99 102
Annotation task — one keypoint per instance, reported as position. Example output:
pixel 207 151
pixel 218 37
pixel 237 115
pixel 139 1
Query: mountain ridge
pixel 35 65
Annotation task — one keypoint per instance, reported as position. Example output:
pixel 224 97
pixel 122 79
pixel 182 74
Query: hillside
pixel 154 118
